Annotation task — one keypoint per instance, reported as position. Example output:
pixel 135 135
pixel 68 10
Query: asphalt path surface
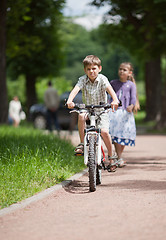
pixel 129 204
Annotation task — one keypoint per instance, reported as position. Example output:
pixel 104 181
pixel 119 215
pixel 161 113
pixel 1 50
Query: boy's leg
pixel 81 126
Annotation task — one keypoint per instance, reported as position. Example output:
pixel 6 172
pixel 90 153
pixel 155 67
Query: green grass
pixel 31 162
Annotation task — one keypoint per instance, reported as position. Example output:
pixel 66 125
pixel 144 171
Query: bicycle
pixel 93 149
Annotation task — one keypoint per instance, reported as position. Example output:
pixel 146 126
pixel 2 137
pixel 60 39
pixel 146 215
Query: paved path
pixel 129 204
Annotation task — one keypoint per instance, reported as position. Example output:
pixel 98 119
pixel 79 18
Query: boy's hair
pixel 91 59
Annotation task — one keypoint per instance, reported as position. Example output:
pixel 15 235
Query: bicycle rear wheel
pixel 92 164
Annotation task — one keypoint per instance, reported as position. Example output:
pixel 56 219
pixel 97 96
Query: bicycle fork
pixel 88 133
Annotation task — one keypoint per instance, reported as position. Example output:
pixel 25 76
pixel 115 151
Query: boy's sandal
pixel 79 150
pixel 121 163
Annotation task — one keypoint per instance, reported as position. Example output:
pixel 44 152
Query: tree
pixel 3 88
pixel 140 27
pixel 38 44
pixel 112 54
pixel 79 42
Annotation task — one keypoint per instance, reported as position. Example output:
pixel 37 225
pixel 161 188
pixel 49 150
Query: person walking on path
pixel 51 100
pixel 122 122
pixel 16 114
pixel 94 87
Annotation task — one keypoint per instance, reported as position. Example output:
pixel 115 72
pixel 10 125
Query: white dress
pixel 15 110
pixel 122 127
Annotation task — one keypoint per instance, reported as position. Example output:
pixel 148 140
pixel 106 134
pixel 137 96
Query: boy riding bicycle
pixel 94 87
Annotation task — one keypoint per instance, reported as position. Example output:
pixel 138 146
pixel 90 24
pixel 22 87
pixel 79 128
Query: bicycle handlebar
pixel 81 106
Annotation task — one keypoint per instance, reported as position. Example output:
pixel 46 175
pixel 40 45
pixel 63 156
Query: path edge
pixel 41 195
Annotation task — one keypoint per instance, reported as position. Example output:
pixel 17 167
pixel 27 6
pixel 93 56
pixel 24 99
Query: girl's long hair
pixel 131 78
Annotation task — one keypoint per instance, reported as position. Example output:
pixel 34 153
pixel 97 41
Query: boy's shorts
pixel 103 122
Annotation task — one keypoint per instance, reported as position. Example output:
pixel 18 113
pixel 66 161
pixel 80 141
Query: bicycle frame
pixel 92 144
pixel 96 132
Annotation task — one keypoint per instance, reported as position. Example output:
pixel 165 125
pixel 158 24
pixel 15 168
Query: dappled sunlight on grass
pixel 31 161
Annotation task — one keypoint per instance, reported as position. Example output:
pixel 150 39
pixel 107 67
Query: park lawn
pixel 31 161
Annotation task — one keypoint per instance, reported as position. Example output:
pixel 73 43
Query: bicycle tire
pixel 98 175
pixel 92 164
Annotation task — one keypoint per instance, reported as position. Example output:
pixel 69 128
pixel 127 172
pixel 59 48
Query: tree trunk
pixel 161 123
pixel 30 91
pixel 3 87
pixel 153 89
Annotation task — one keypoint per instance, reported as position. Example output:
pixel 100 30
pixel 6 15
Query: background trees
pixel 3 88
pixel 38 43
pixel 80 42
pixel 140 27
pixel 33 44
pixel 42 43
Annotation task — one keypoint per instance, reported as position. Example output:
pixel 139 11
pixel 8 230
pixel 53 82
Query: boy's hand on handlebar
pixel 70 105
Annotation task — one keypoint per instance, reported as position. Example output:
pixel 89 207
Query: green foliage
pixel 17 15
pixel 138 25
pixel 113 54
pixel 59 83
pixel 142 100
pixel 73 73
pixel 163 66
pixel 149 126
pixel 31 162
pixel 141 95
pixel 80 42
pixel 36 48
pixel 139 118
pixel 16 88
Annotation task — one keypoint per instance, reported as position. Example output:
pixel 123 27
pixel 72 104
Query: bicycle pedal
pixel 100 166
pixel 103 165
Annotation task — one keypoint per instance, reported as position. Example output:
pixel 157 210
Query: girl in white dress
pixel 122 121
pixel 15 112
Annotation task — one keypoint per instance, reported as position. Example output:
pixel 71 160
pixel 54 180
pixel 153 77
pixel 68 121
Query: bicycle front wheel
pixel 98 175
pixel 91 163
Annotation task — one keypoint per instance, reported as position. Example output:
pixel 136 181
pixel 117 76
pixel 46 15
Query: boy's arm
pixel 112 93
pixel 72 95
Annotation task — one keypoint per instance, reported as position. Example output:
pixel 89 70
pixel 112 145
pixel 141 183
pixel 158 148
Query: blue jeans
pixel 52 120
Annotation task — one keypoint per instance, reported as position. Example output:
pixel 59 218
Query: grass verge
pixel 31 162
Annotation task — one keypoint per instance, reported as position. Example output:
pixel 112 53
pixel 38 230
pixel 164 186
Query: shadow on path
pixel 141 185
pixel 78 187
